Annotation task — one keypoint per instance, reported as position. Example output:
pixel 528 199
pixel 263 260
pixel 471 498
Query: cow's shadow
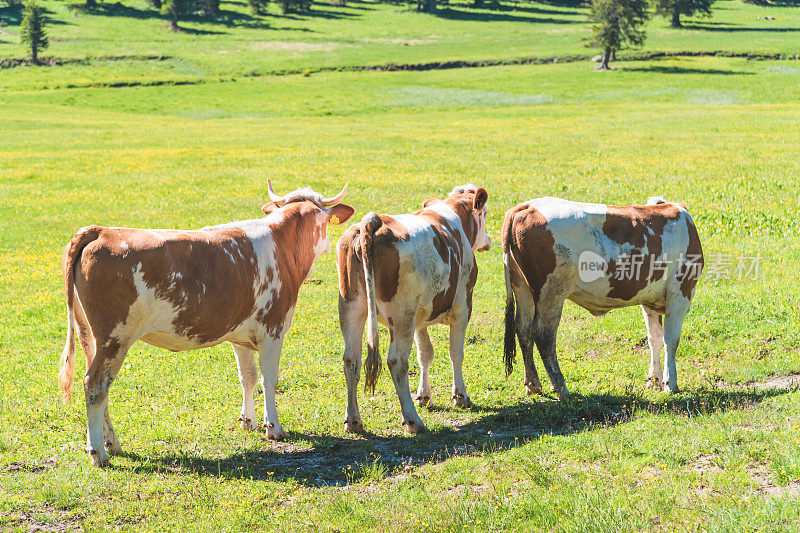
pixel 329 460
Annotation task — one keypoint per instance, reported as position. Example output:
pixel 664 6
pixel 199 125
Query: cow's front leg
pixel 248 377
pixel 655 338
pixel 458 332
pixel 424 358
pixel 676 311
pixel 397 361
pixel 269 353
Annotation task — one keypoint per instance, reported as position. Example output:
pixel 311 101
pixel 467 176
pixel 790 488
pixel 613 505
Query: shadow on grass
pixel 728 28
pixel 575 4
pixel 684 70
pixel 12 16
pixel 484 16
pixel 525 8
pixel 320 460
pixel 224 17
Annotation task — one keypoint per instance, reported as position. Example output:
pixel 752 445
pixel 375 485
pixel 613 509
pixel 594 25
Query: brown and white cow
pixel 182 290
pixel 600 257
pixel 414 270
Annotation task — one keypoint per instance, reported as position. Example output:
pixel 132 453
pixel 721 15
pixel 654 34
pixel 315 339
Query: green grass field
pixel 720 134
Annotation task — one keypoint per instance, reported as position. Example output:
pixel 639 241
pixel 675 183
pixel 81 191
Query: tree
pixel 676 8
pixel 426 6
pixel 31 30
pixel 295 6
pixel 617 24
pixel 259 7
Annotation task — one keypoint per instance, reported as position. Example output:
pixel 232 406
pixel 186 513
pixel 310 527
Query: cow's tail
pixel 372 365
pixel 509 341
pixel 66 371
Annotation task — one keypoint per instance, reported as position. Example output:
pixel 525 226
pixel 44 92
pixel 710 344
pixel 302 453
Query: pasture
pixel 719 134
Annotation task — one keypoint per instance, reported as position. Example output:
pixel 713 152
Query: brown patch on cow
pixel 104 283
pixel 694 252
pixel 349 265
pixel 443 301
pixel 462 205
pixel 215 291
pixel 473 279
pixel 295 236
pixel 386 257
pixel 525 236
pixel 643 227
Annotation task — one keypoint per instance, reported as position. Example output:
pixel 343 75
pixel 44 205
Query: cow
pixel 410 271
pixel 182 290
pixel 601 257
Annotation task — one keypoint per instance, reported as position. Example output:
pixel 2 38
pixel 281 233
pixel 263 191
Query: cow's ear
pixel 339 214
pixel 480 198
pixel 429 201
pixel 269 207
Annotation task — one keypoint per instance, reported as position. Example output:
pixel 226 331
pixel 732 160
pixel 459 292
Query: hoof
pixel 462 401
pixel 654 383
pixel 354 426
pixel 113 448
pixel 533 388
pixel 247 424
pixel 671 390
pixel 563 393
pixel 414 428
pixel 422 401
pixel 99 459
pixel 278 435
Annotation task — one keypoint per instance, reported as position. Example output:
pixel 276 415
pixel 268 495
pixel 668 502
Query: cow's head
pixel 476 198
pixel 311 209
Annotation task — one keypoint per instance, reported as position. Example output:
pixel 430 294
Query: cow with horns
pixel 182 290
pixel 601 257
pixel 409 271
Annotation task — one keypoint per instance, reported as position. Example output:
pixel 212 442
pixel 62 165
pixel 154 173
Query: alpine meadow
pixel 127 120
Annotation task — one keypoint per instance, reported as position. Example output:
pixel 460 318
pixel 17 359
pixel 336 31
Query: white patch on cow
pixel 591 266
pixel 123 245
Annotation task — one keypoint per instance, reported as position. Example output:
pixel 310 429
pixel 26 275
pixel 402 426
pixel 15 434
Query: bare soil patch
pixel 778 381
pixel 45 518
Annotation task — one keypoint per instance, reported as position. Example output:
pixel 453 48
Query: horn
pixel 328 202
pixel 274 197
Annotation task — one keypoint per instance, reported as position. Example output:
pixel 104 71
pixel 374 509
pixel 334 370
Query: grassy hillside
pixel 718 134
pixel 127 43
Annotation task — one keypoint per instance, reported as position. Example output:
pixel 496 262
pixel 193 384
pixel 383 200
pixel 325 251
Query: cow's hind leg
pixel 655 338
pixel 458 332
pixel 676 311
pixel 99 377
pixel 545 330
pixel 109 435
pixel 352 318
pixel 248 377
pixel 397 361
pixel 269 353
pixel 523 324
pixel 424 358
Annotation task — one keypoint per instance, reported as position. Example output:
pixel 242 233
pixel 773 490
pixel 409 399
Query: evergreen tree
pixel 31 30
pixel 617 24
pixel 258 7
pixel 675 8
